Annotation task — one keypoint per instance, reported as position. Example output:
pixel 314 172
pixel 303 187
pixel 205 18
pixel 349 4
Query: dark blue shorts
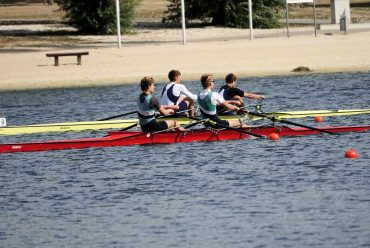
pixel 216 119
pixel 154 126
pixel 183 106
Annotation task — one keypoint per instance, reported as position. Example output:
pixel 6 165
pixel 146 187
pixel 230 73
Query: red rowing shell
pixel 129 138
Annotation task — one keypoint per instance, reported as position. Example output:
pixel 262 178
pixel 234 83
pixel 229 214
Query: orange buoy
pixel 351 153
pixel 274 136
pixel 319 119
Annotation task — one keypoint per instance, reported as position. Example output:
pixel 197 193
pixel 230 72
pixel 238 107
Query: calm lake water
pixel 296 192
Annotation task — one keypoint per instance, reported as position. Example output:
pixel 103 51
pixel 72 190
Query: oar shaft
pixel 127 128
pixel 194 123
pixel 116 116
pixel 239 130
pixel 305 126
pixel 227 127
pixel 274 119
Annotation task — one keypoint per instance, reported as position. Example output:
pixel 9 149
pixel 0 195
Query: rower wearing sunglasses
pixel 208 101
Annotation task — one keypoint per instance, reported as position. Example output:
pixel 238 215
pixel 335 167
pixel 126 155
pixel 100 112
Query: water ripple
pixel 296 192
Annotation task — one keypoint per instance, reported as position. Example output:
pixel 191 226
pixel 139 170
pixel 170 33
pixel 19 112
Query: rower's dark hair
pixel 205 79
pixel 230 78
pixel 173 74
pixel 146 82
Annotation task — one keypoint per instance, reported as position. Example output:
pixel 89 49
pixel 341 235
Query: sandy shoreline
pixel 228 52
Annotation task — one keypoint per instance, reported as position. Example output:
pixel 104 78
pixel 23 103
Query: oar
pixel 274 119
pixel 157 132
pixel 228 127
pixel 196 123
pixel 237 130
pixel 116 116
pixel 127 128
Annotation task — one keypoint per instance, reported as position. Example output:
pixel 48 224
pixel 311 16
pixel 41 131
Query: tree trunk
pixel 218 17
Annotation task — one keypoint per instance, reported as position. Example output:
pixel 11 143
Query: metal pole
pixel 314 16
pixel 183 22
pixel 287 19
pixel 250 19
pixel 118 24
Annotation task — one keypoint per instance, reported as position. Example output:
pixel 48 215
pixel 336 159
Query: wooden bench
pixel 57 55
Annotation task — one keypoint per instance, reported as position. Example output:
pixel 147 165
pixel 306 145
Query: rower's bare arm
pixel 166 111
pixel 187 93
pixel 181 98
pixel 229 106
pixel 173 107
pixel 254 96
pixel 234 102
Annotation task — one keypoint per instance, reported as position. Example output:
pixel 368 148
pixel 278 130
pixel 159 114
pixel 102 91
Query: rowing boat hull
pixel 120 124
pixel 128 138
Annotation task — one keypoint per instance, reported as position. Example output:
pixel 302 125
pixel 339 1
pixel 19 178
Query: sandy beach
pixel 209 50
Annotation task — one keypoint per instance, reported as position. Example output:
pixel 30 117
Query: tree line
pixel 98 16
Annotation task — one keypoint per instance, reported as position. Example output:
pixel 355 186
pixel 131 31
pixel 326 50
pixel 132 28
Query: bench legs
pixel 56 57
pixel 79 59
pixel 56 60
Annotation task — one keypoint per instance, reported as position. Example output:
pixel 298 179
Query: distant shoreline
pixel 209 50
pixel 160 80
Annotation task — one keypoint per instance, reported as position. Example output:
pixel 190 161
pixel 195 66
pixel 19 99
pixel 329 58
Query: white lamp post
pixel 118 24
pixel 183 22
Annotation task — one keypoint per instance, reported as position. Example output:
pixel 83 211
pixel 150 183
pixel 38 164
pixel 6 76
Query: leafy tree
pixel 98 16
pixel 233 13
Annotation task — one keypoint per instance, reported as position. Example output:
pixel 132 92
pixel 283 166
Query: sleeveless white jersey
pixel 177 90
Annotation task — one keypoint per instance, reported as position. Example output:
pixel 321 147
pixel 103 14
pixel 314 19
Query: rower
pixel 234 95
pixel 209 100
pixel 176 93
pixel 147 104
